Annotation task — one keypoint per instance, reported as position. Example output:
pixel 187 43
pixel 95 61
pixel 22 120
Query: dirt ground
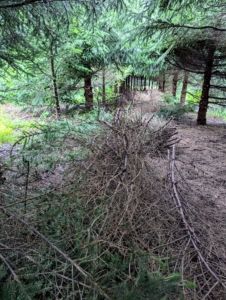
pixel 200 178
pixel 202 151
pixel 200 154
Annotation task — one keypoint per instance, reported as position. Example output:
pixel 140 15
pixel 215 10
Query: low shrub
pixel 193 97
pixel 6 134
pixel 10 128
pixel 174 111
pixel 218 112
pixel 170 99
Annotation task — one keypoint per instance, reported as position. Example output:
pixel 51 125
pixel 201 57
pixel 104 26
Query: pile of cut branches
pixel 126 175
pixel 117 227
pixel 144 203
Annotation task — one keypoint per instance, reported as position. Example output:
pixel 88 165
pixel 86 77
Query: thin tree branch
pixel 164 25
pixel 22 3
pixel 64 255
pixel 15 277
pixel 189 229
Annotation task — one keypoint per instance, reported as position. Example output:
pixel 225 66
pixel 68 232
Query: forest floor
pixel 200 154
pixel 202 151
pixel 200 173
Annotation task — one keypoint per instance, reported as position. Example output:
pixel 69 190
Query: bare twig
pixel 190 230
pixel 15 277
pixel 72 262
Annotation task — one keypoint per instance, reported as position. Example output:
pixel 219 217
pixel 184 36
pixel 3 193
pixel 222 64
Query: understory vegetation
pixel 81 237
pixel 217 112
pixel 93 202
pixel 175 111
pixel 94 216
pixel 11 128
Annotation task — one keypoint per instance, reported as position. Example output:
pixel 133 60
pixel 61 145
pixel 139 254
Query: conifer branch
pixel 15 277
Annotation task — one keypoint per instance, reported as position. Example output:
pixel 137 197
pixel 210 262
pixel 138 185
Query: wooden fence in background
pixel 138 83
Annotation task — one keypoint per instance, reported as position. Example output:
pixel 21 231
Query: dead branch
pixel 190 230
pixel 72 262
pixel 15 276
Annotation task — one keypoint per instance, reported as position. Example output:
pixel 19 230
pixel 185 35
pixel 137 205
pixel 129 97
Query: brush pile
pixel 127 177
pixel 125 199
pixel 146 201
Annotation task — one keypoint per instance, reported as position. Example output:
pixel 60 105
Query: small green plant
pixel 6 135
pixel 10 128
pixel 169 99
pixel 193 97
pixel 151 285
pixel 219 112
pixel 175 111
pixel 44 114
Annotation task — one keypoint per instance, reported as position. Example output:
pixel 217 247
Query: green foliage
pixel 174 111
pixel 59 214
pixel 72 225
pixel 169 99
pixel 43 145
pixel 151 285
pixel 120 276
pixel 193 97
pixel 28 288
pixel 218 112
pixel 6 135
pixel 10 128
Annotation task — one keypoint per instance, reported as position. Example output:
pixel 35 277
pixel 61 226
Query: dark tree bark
pixel 149 83
pixel 162 82
pixel 174 84
pixel 55 89
pixel 184 88
pixel 116 87
pixel 160 85
pixel 203 104
pixel 122 88
pixel 22 3
pixel 88 93
pixel 145 83
pixel 103 89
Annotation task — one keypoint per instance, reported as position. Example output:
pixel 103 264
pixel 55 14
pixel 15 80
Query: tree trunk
pixel 116 87
pixel 145 84
pixel 184 88
pixel 55 89
pixel 160 85
pixel 122 88
pixel 162 82
pixel 103 89
pixel 174 84
pixel 203 104
pixel 88 93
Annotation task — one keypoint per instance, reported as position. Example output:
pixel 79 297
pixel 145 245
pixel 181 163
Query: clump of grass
pixel 218 112
pixel 170 99
pixel 174 111
pixel 6 134
pixel 10 128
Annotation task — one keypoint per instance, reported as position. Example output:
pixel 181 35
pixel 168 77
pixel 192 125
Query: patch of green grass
pixel 10 128
pixel 174 111
pixel 193 97
pixel 218 112
pixel 170 99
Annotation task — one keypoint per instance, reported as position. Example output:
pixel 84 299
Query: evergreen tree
pixel 171 27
